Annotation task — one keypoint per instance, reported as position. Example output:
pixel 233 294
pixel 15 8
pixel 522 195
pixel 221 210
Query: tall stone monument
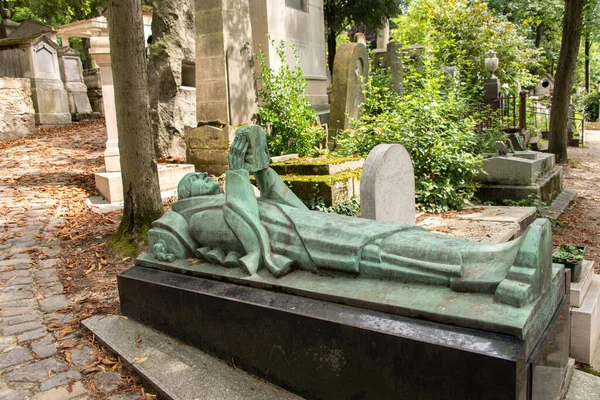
pixel 350 71
pixel 225 95
pixel 387 190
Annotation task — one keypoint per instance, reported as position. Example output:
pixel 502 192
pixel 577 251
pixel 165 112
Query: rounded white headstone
pixel 387 185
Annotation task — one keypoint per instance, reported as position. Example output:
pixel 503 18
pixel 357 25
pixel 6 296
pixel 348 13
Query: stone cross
pixel 350 70
pixel 387 185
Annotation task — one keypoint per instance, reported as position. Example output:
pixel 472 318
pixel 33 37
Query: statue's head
pixel 197 184
pixel 257 155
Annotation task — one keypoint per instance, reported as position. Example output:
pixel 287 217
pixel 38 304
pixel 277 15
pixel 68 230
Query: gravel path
pixel 42 355
pixel 581 222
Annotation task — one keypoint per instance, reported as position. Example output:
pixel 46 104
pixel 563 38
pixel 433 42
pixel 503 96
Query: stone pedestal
pixel 585 315
pixel 71 73
pixel 322 349
pixel 491 90
pixel 110 184
pixel 207 148
pixel 100 52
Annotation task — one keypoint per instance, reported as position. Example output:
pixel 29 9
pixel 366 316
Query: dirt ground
pixel 580 224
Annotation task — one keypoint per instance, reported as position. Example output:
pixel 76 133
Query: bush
pixel 286 108
pixel 431 121
pixel 591 102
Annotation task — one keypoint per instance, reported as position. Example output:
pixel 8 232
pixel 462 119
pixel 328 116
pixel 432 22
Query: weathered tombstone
pixel 350 70
pixel 71 73
pixel 36 58
pixel 387 189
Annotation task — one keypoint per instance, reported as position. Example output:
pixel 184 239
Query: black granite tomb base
pixel 323 350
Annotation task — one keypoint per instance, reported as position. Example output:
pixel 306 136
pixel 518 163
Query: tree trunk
pixel 329 12
pixel 331 49
pixel 587 48
pixel 565 72
pixel 141 190
pixel 539 33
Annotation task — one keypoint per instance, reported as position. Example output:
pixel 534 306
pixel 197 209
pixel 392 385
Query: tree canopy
pixel 342 14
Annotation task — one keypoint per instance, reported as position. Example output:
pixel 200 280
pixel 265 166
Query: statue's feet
pixel 161 251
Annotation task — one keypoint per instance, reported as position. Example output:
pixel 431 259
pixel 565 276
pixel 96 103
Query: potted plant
pixel 570 256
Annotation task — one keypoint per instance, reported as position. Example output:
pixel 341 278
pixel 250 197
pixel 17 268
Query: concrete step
pixel 583 386
pixel 560 203
pixel 585 324
pixel 579 289
pixel 175 370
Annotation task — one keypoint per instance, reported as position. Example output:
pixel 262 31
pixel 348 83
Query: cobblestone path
pixel 35 323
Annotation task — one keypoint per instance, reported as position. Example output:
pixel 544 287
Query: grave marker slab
pixel 387 190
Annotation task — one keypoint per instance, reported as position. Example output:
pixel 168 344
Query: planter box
pixel 575 267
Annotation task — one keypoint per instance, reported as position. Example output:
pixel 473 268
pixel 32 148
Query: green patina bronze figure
pixel 278 233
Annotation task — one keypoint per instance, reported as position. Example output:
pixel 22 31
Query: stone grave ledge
pixel 493 224
pixel 175 370
pixel 316 166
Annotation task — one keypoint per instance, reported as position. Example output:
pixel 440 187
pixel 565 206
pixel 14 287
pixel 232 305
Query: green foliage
pixel 591 103
pixel 431 120
pixel 350 207
pixel 567 253
pixel 542 23
pixel 460 33
pixel 286 108
pixel 339 14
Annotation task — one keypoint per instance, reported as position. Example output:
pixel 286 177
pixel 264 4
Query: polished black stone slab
pixel 324 350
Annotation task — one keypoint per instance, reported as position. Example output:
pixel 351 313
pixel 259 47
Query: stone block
pixel 212 68
pixel 546 189
pixel 15 357
pixel 175 370
pixel 330 188
pixel 308 167
pixel 585 324
pixel 524 168
pixel 36 371
pixel 62 393
pixel 110 186
pixel 212 111
pixel 53 303
pixel 580 288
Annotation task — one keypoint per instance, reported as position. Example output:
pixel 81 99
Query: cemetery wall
pixel 16 109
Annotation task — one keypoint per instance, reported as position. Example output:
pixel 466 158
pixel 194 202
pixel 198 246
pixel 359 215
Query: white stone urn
pixel 491 63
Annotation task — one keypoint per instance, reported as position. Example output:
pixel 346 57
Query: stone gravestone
pixel 350 70
pixel 387 189
pixel 71 73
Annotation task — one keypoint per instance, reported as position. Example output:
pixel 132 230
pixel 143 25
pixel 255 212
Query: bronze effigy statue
pixel 277 232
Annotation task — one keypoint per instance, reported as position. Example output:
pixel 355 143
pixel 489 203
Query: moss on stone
pixel 18 40
pixel 329 180
pixel 328 160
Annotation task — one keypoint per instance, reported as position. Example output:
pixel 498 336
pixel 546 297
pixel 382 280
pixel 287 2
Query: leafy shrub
pixel 591 102
pixel 349 207
pixel 286 108
pixel 431 120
